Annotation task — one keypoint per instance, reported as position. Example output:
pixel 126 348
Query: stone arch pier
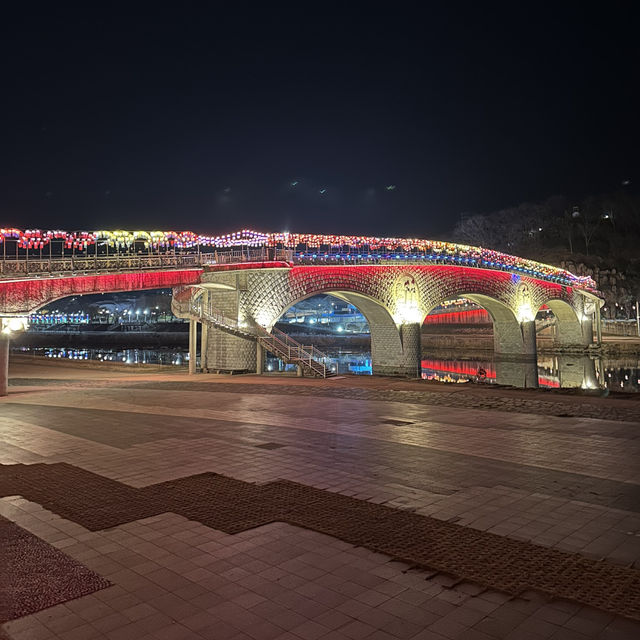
pixel 394 299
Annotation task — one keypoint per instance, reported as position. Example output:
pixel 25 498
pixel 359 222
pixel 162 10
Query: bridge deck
pixel 38 266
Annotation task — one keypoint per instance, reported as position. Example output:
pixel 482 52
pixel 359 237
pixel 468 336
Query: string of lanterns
pixel 433 250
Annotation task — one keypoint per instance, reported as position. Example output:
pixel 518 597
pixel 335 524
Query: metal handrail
pixel 53 266
pixel 14 266
pixel 277 341
pixel 308 351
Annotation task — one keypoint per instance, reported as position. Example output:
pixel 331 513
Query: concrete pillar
pixel 598 327
pixel 528 329
pixel 386 348
pixel 570 332
pixel 259 359
pixel 507 337
pixel 193 345
pixel 204 336
pixel 410 337
pixel 531 374
pixel 299 371
pixel 587 330
pixel 227 352
pixel 4 364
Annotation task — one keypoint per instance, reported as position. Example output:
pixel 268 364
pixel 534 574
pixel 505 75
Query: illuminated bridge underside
pixel 394 299
pixel 27 295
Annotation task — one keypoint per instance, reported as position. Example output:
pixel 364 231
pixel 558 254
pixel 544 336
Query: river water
pixel 621 374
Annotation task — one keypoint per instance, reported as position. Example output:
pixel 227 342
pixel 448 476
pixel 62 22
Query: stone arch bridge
pixel 395 299
pixel 238 285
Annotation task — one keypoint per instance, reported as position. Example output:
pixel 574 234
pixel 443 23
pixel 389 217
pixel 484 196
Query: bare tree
pixel 588 220
pixel 476 230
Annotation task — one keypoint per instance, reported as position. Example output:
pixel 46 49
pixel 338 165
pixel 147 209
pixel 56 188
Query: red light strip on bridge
pixel 433 250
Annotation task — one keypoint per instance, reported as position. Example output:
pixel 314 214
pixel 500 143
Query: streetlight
pixel 8 326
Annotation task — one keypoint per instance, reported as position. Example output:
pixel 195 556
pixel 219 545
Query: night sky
pixel 347 118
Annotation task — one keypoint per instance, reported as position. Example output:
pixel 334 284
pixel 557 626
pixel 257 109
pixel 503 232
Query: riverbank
pixel 27 370
pixel 469 342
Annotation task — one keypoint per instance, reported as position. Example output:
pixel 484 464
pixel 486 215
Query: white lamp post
pixel 8 325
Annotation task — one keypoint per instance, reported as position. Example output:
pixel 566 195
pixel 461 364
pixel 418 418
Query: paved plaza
pixel 158 506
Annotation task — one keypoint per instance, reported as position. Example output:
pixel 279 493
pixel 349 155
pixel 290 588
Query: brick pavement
pixel 232 506
pixel 36 575
pixel 519 476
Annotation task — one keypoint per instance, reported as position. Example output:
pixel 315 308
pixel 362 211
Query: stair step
pixel 280 343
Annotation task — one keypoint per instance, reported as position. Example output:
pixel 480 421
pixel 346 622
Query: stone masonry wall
pixel 392 298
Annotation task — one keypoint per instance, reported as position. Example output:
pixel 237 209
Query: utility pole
pixel 638 318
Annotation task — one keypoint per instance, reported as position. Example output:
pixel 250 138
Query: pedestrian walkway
pixel 251 508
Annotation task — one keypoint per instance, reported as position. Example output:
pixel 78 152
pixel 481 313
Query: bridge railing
pixel 47 266
pixel 21 266
pixel 304 352
pixel 258 254
pixel 627 328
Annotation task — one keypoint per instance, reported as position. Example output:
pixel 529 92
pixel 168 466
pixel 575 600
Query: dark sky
pixel 124 115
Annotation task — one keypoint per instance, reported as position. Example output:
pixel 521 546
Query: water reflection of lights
pixel 127 356
pixel 618 375
pixel 357 361
pixel 445 378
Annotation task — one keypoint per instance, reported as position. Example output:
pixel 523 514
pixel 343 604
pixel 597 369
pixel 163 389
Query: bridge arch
pixel 395 299
pixel 393 349
pixel 573 326
pixel 508 336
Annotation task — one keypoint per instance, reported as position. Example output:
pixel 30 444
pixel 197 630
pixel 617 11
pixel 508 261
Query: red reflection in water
pixel 470 316
pixel 462 368
pixel 471 369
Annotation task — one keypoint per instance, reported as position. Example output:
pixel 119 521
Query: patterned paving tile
pixel 460 399
pixel 233 506
pixel 453 399
pixel 488 460
pixel 401 462
pixel 36 575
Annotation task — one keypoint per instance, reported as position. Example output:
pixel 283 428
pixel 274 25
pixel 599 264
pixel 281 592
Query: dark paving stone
pixel 441 471
pixel 52 382
pixel 233 506
pixel 458 399
pixel 35 575
pixel 120 429
pixel 419 467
